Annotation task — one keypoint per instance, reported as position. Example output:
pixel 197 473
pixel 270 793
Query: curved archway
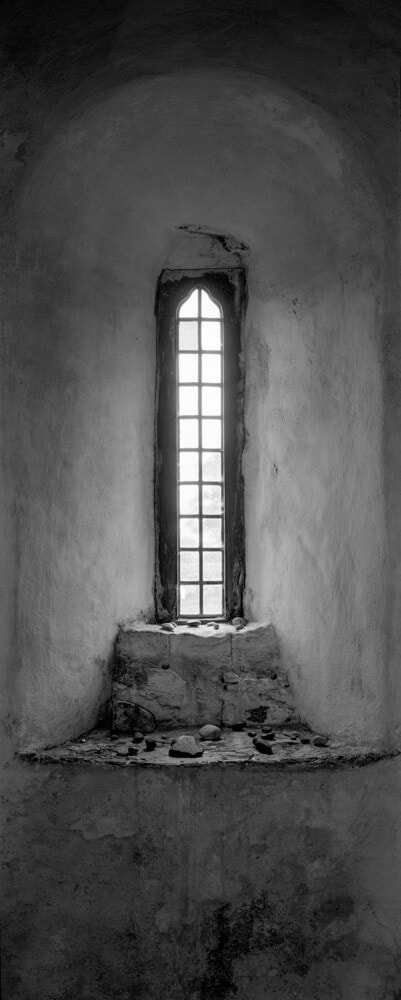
pixel 114 199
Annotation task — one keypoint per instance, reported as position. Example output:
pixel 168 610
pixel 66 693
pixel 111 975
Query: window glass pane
pixel 189 600
pixel 188 399
pixel 212 599
pixel 189 433
pixel 189 500
pixel 212 532
pixel 210 336
pixel 189 566
pixel 211 368
pixel 187 336
pixel 212 566
pixel 188 368
pixel 200 571
pixel 211 433
pixel 209 308
pixel 211 401
pixel 211 466
pixel 211 500
pixel 190 305
pixel 188 465
pixel 189 533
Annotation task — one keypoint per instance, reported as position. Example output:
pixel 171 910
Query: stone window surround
pixel 228 286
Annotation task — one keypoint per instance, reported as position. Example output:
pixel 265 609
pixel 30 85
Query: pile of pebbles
pixel 266 736
pixel 266 740
pixel 242 743
pixel 237 623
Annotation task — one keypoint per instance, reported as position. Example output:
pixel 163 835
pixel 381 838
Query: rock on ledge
pixel 191 677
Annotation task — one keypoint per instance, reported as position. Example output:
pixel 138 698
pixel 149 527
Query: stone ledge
pixel 193 676
pixel 100 749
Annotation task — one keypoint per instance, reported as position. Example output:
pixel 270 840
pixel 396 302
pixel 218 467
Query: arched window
pixel 200 448
pixel 199 439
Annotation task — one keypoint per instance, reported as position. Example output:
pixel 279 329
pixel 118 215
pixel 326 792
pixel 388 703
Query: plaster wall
pixel 98 220
pixel 7 577
pixel 202 883
pixel 117 879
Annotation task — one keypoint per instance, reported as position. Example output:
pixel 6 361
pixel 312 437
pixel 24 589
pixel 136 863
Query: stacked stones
pixel 194 675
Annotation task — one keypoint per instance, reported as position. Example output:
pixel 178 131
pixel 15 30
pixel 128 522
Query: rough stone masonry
pixel 191 678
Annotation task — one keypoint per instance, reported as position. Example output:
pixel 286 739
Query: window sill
pixel 193 676
pixel 100 749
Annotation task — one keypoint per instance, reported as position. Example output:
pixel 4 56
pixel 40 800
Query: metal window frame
pixel 228 288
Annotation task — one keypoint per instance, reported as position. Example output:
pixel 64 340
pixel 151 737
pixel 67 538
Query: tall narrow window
pixel 200 568
pixel 200 472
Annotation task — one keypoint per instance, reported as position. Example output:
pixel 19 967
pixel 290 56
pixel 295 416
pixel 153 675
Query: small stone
pixel 210 732
pixel 122 751
pixel 262 745
pixel 237 727
pixel 185 746
pixel 168 627
pixel 252 732
pixel 82 740
pixel 268 734
pixel 132 751
pixel 320 741
pixel 216 625
pixel 210 624
pixel 165 666
pixel 193 623
pixel 114 737
pixel 150 744
pixel 129 717
pixel 239 622
pixel 137 737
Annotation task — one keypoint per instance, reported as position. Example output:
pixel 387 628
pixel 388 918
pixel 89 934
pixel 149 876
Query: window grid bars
pixel 201 582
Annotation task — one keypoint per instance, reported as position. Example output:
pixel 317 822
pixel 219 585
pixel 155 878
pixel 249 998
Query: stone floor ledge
pixel 101 748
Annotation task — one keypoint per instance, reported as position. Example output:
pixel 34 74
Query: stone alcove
pixel 112 200
pixel 247 875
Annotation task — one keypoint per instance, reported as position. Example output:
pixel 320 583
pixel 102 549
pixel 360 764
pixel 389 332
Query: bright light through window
pixel 200 450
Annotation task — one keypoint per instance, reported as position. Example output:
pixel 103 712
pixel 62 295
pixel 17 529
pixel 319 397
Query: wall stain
pixel 258 714
pixel 291 941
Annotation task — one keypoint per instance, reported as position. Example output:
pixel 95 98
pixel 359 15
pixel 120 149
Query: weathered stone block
pixel 140 645
pixel 208 652
pixel 231 699
pixel 232 706
pixel 255 650
pixel 128 717
pixel 203 660
pixel 264 700
pixel 165 693
pixel 205 676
